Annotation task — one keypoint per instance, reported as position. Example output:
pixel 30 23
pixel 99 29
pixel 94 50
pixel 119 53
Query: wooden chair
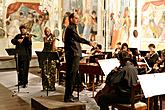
pixel 136 104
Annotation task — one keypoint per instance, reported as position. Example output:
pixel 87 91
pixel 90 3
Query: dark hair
pixel 124 44
pixel 163 52
pixel 67 13
pixel 70 17
pixel 151 45
pixel 124 56
pixel 22 27
pixel 93 12
pixel 99 46
pixel 119 43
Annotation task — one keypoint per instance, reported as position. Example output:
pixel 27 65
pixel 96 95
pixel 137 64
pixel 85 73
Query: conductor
pixel 72 55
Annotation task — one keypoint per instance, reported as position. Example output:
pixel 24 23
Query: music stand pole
pixel 47 56
pixel 17 69
pixel 12 51
pixel 47 70
pixel 78 85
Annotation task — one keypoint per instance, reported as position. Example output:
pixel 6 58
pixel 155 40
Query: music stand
pixel 48 56
pixel 143 52
pixel 13 51
pixel 108 55
pixel 134 51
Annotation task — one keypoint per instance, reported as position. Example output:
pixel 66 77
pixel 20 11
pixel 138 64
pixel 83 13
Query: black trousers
pixel 72 66
pixel 23 69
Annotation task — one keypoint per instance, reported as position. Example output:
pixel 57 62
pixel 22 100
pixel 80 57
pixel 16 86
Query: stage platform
pixel 55 103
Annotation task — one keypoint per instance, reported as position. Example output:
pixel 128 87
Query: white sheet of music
pixel 107 65
pixel 152 84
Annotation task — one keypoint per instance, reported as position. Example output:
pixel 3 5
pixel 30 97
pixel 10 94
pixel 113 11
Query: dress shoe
pixel 74 98
pixel 24 86
pixel 70 100
pixel 20 84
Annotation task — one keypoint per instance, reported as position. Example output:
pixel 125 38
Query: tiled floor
pixel 10 102
pixel 22 101
pixel 8 79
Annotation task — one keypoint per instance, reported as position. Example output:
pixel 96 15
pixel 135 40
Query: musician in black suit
pixel 23 47
pixel 152 56
pixel 72 48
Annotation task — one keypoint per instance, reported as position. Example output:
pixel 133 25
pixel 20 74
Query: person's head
pixel 92 38
pixel 135 33
pixel 73 19
pixel 47 31
pixel 126 12
pixel 124 47
pixel 23 29
pixel 112 15
pixel 118 45
pixel 124 56
pixel 67 14
pixel 94 13
pixel 30 15
pixel 65 21
pixel 46 17
pixel 99 46
pixel 151 47
pixel 163 54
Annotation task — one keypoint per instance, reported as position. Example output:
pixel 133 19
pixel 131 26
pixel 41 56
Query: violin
pixel 26 36
pixel 158 64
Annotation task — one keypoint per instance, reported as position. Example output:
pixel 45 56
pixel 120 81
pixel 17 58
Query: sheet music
pixel 107 65
pixel 85 55
pixel 152 84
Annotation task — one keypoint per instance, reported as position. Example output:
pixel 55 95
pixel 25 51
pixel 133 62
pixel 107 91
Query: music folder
pixel 152 84
pixel 107 65
pixel 11 51
pixel 48 55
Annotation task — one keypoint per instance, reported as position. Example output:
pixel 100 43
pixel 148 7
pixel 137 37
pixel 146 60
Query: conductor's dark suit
pixel 24 51
pixel 72 55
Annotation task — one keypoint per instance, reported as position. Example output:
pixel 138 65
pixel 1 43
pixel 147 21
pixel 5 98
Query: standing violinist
pixel 159 67
pixel 152 56
pixel 23 44
pixel 48 77
pixel 49 40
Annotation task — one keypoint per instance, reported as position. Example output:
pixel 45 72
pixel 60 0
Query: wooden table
pixel 88 68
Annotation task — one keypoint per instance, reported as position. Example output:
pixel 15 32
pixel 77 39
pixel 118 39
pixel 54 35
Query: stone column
pixel 4 16
pixel 100 27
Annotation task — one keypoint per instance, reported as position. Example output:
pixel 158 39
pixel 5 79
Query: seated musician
pixel 118 84
pixel 159 65
pixel 152 56
pixel 124 47
pixel 95 51
pixel 158 68
pixel 117 50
